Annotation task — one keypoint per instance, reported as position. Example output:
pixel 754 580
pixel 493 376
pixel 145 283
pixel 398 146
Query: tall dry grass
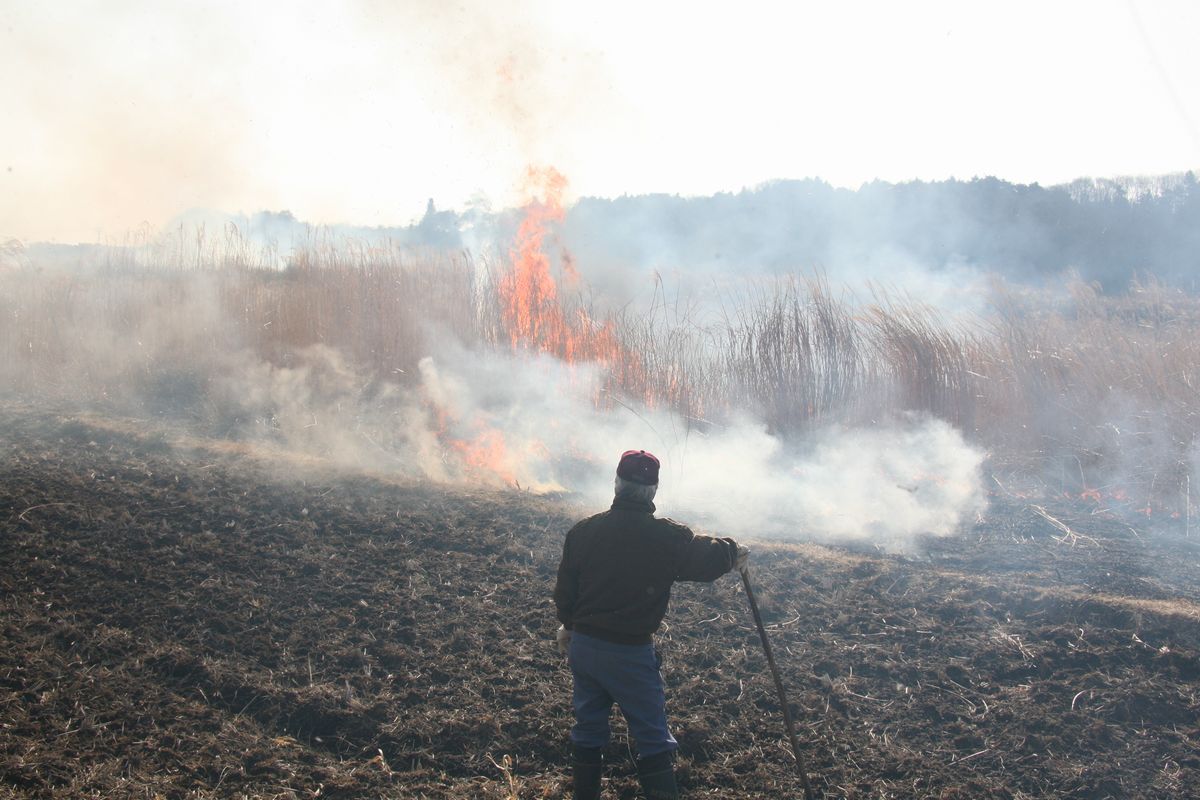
pixel 1098 389
pixel 381 306
pixel 125 328
pixel 924 361
pixel 1102 389
pixel 795 355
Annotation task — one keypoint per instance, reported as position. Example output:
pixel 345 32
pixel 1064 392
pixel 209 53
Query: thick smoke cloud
pixel 885 487
pixel 168 350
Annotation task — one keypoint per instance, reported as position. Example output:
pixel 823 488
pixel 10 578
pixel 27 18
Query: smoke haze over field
pixel 168 349
pixel 940 241
pixel 885 486
pixel 164 127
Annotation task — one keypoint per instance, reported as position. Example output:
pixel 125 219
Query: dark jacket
pixel 614 581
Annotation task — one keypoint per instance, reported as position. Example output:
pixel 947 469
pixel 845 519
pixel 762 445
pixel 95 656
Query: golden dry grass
pixel 1103 384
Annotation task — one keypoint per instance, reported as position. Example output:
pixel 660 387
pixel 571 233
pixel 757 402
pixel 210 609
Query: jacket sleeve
pixel 705 558
pixel 566 588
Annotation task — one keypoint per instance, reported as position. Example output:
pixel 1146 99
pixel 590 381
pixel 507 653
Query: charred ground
pixel 190 619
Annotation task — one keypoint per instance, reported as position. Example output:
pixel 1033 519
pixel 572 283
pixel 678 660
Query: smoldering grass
pixel 1104 382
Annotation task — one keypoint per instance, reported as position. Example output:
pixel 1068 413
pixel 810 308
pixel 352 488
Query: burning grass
pixel 1094 394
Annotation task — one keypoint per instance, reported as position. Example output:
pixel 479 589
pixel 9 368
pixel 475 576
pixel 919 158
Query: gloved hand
pixel 564 639
pixel 742 560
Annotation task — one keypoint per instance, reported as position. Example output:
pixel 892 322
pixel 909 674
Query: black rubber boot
pixel 587 765
pixel 657 775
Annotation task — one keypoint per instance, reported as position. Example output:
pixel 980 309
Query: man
pixel 614 584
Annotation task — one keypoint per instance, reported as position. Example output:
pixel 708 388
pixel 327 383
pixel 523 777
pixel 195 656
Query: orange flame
pixel 488 454
pixel 534 316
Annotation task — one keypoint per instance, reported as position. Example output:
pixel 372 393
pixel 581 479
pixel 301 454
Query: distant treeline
pixel 1108 231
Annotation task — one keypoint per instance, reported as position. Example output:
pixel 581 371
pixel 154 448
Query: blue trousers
pixel 628 675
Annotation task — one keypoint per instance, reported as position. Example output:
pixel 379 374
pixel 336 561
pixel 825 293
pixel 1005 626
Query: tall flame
pixel 534 315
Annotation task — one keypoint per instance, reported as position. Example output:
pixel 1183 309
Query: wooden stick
pixel 787 714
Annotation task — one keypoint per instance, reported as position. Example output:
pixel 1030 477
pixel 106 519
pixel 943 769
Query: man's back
pixel 614 581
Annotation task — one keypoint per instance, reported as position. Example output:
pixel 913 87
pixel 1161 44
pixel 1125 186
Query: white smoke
pixel 885 486
pixel 478 416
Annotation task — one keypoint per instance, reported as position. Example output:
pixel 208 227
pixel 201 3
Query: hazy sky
pixel 117 113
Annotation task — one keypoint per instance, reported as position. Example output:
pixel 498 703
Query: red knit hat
pixel 638 466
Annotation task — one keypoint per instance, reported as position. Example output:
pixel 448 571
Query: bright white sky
pixel 117 113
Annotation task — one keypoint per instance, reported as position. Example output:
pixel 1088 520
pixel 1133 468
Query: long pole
pixel 787 714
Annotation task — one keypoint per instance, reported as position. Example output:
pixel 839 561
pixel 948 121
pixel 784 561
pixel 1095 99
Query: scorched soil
pixel 192 620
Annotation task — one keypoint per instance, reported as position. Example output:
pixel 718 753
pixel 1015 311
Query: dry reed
pixel 1107 383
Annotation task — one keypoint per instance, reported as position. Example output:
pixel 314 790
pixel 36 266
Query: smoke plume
pixel 885 486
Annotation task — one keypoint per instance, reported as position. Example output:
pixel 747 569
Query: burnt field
pixel 197 619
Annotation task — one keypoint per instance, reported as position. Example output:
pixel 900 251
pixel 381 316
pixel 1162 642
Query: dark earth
pixel 190 619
